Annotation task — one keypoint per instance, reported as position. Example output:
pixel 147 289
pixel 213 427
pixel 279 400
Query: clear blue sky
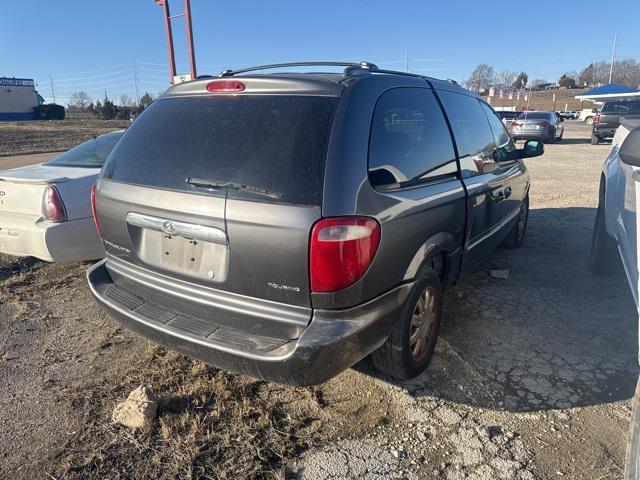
pixel 90 44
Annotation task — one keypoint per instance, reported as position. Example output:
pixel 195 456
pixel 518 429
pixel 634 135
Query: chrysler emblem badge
pixel 168 227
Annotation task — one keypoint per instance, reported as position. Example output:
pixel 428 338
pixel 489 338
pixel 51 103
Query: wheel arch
pixel 439 252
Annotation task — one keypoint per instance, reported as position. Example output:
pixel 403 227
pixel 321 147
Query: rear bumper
pixel 528 135
pixel 26 236
pixel 333 341
pixel 604 132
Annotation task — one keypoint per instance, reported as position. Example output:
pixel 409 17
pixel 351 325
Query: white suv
pixel 616 229
pixel 616 224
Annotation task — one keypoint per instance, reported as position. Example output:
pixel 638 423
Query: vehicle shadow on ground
pixel 15 265
pixel 552 335
pixel 575 141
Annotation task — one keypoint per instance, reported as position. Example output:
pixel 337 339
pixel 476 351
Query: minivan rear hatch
pixel 221 191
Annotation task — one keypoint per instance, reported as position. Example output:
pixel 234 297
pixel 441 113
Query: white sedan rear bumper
pixel 70 241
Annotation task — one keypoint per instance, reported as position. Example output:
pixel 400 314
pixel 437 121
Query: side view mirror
pixel 630 150
pixel 532 148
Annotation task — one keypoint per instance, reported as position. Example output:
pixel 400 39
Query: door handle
pixel 507 192
pixel 498 196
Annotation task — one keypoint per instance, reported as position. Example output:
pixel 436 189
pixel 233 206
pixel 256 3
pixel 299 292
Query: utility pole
pixel 53 92
pixel 406 60
pixel 135 81
pixel 613 55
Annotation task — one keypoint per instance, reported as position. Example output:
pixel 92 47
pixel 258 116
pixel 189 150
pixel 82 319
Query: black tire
pixel 396 357
pixel 515 239
pixel 602 260
pixel 595 140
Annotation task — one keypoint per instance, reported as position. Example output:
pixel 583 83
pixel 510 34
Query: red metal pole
pixel 192 52
pixel 167 21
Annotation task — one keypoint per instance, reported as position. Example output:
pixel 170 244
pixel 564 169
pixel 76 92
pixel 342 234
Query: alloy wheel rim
pixel 423 322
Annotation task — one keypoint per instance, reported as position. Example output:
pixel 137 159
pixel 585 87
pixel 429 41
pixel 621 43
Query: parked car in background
pixel 567 115
pixel 587 115
pixel 236 231
pixel 546 126
pixel 606 122
pixel 507 116
pixel 45 209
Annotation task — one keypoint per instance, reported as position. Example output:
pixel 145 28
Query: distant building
pixel 18 97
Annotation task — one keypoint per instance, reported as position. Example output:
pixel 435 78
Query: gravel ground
pixel 531 378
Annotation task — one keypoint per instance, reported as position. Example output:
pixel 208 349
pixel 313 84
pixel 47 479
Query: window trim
pixel 419 182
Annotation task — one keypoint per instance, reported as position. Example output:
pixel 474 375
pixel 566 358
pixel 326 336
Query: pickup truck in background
pixel 587 115
pixel 609 118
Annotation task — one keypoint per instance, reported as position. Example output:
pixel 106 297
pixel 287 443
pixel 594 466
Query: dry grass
pixel 52 135
pixel 211 424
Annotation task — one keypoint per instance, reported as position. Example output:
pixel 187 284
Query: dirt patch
pixel 52 135
pixel 531 379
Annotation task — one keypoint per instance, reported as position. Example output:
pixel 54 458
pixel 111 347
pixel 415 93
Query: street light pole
pixel 613 56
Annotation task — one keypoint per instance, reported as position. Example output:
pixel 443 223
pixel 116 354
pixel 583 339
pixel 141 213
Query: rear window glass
pixel 536 115
pixel 90 154
pixel 273 143
pixel 621 107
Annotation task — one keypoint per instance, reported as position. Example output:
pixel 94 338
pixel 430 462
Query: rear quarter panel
pixel 414 222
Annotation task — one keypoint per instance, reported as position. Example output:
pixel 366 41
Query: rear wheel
pixel 589 121
pixel 603 247
pixel 409 348
pixel 515 239
pixel 595 140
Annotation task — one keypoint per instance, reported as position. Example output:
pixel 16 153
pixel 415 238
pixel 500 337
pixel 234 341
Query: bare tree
pixel 482 76
pixel 505 78
pixel 625 71
pixel 80 100
pixel 125 100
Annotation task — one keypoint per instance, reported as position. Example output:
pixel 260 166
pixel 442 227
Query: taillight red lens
pixel 94 212
pixel 341 250
pixel 52 207
pixel 225 86
pixel 544 123
pixel 515 124
pixel 596 119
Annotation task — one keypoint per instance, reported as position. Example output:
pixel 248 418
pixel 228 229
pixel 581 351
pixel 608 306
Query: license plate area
pixel 198 252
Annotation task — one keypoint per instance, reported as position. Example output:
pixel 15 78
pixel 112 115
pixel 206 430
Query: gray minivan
pixel 287 225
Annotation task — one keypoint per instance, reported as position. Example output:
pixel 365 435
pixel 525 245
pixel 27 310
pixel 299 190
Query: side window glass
pixel 410 140
pixel 503 139
pixel 471 130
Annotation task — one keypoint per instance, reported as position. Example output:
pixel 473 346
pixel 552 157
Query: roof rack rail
pixel 351 67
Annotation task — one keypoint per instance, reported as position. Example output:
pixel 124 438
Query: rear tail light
pixel 229 86
pixel 94 212
pixel 596 119
pixel 342 248
pixel 544 123
pixel 52 207
pixel 515 124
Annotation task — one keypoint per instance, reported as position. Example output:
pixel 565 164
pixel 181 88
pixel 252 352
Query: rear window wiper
pixel 215 184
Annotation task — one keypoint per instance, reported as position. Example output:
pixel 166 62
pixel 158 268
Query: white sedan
pixel 45 209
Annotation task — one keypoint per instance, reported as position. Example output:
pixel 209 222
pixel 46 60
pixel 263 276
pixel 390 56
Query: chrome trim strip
pixel 495 229
pixel 181 229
